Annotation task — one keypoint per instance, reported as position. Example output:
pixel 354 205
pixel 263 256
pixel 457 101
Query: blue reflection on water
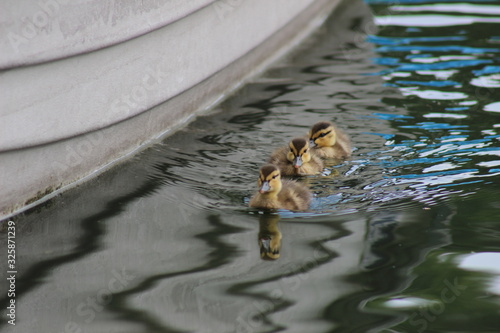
pixel 386 61
pixel 452 146
pixel 379 40
pixel 459 108
pixel 455 156
pixel 429 83
pixel 434 126
pixel 389 116
pixel 442 65
pixel 487 70
pixel 419 55
pixel 449 48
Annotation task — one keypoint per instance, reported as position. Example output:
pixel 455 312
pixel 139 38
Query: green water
pixel 403 237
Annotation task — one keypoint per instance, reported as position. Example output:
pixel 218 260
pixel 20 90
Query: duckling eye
pixel 305 151
pixel 275 176
pixel 323 134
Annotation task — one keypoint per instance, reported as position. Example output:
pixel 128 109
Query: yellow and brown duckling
pixel 269 237
pixel 275 193
pixel 330 142
pixel 297 159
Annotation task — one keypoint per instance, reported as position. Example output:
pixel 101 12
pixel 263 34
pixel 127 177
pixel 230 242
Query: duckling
pixel 275 193
pixel 269 237
pixel 297 159
pixel 330 141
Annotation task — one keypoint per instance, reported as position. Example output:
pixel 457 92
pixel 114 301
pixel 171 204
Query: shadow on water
pixel 88 240
pixel 396 242
pixel 216 258
pixel 289 277
pixel 399 238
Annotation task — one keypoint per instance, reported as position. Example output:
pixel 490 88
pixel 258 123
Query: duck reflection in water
pixel 269 236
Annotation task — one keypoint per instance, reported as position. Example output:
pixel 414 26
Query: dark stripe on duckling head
pixel 321 132
pixel 299 144
pixel 269 171
pixel 320 129
pixel 320 126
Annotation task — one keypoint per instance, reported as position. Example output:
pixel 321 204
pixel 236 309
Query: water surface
pixel 403 237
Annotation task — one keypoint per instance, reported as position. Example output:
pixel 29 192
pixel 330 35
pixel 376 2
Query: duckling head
pixel 323 134
pixel 299 152
pixel 269 180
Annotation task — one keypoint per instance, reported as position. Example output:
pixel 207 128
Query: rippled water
pixel 404 237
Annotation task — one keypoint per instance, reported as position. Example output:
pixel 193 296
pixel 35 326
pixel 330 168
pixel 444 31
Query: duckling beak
pixel 265 245
pixel 297 162
pixel 265 249
pixel 312 143
pixel 264 187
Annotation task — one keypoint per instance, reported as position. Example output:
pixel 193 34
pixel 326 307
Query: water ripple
pixel 421 106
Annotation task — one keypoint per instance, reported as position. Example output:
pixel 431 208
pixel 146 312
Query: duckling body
pixel 330 141
pixel 275 193
pixel 297 159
